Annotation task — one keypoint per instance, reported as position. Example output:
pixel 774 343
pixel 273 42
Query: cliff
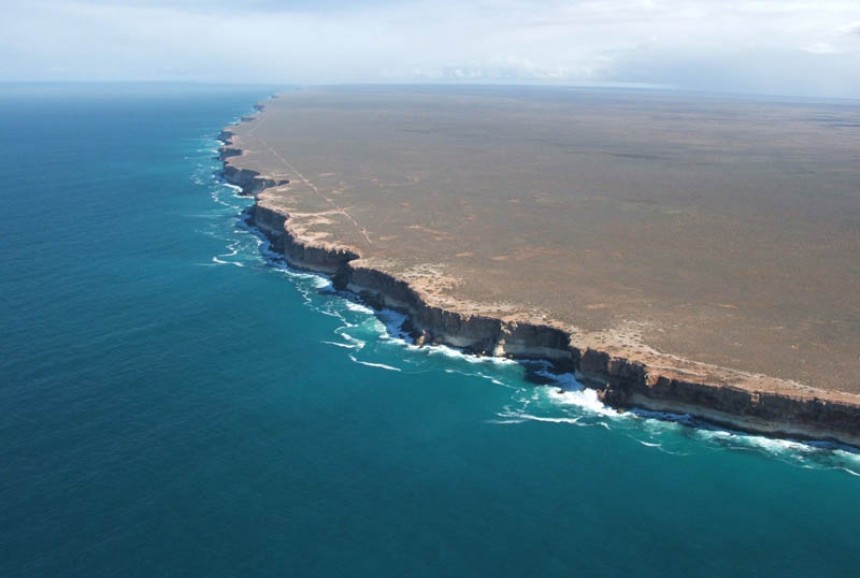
pixel 738 400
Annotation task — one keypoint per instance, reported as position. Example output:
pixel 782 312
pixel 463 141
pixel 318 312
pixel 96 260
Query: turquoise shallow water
pixel 175 404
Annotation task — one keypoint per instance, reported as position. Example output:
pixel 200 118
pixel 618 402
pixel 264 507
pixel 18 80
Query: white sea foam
pixel 232 187
pixel 358 307
pixel 567 420
pixel 583 398
pixel 569 391
pixel 222 262
pixel 662 419
pixel 316 280
pixel 353 340
pixel 277 262
pixel 217 198
pixel 738 440
pixel 546 404
pixel 321 282
pixel 232 251
pixel 566 381
pixel 812 455
pixel 343 345
pixel 393 325
pixel 521 416
pixel 376 365
pixel 494 379
pixel 450 352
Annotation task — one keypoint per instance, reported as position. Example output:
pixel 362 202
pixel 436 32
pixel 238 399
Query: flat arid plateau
pixel 713 241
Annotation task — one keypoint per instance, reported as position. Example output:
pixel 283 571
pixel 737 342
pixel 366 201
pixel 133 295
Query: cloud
pixel 307 41
pixel 821 48
pixel 232 7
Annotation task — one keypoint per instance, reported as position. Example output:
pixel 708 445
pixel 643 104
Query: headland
pixel 688 256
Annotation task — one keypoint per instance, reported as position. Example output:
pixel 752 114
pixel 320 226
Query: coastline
pixel 737 400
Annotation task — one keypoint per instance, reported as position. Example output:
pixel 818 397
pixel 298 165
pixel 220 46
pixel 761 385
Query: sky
pixel 782 47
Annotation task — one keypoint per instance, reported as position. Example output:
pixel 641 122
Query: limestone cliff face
pixel 250 181
pixel 540 341
pixel 621 382
pixel 270 223
pixel 297 252
pixel 226 152
pixel 625 384
pixel 428 324
pixel 477 334
pixel 302 254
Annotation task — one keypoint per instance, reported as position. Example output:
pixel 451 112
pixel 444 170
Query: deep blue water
pixel 175 404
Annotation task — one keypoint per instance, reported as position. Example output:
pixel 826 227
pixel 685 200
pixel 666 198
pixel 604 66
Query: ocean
pixel 177 402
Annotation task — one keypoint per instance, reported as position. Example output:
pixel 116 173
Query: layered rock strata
pixel 724 397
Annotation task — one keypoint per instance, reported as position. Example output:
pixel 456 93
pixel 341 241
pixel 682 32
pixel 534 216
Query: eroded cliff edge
pixel 622 377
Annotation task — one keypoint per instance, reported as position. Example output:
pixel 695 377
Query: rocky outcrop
pixel 797 411
pixel 251 182
pixel 226 152
pixel 477 334
pixel 784 414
